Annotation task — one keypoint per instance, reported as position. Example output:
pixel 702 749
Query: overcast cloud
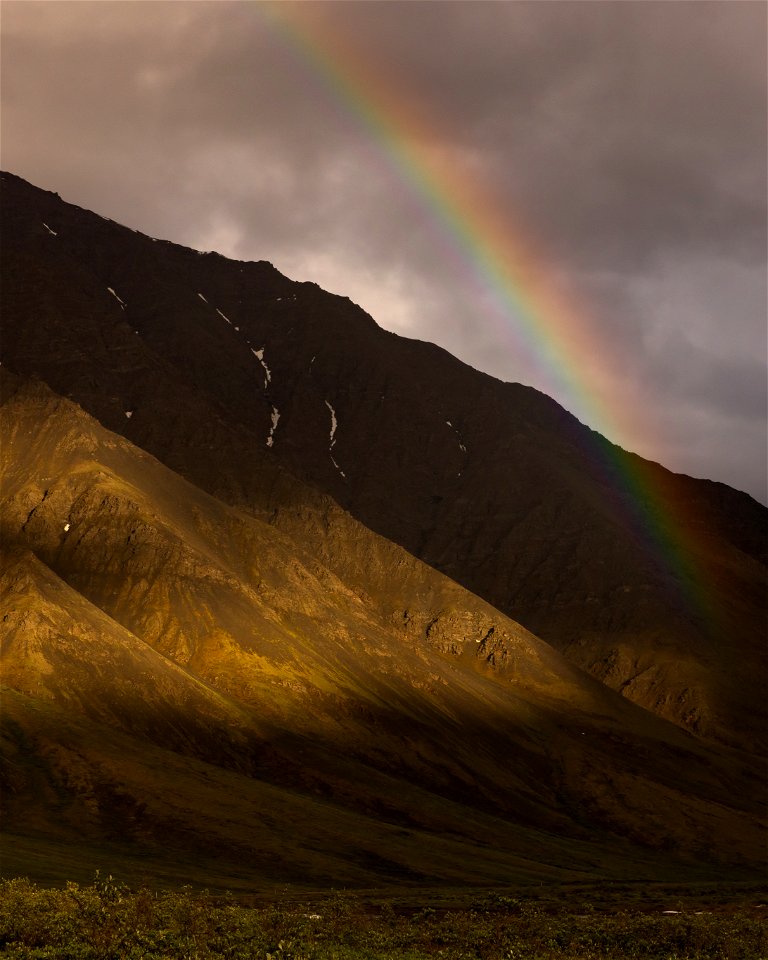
pixel 626 139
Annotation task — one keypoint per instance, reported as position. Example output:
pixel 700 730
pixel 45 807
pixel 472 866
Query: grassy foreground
pixel 108 921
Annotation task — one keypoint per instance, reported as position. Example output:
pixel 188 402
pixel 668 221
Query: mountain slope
pixel 59 648
pixel 229 372
pixel 153 812
pixel 165 649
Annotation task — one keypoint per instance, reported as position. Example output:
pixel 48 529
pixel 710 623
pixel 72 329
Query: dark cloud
pixel 596 116
pixel 625 142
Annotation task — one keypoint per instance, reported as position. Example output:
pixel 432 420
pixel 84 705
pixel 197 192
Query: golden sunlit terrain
pixel 193 692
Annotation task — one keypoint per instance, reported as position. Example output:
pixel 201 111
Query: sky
pixel 569 194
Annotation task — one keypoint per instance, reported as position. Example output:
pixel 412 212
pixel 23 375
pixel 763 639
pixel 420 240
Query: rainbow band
pixel 555 338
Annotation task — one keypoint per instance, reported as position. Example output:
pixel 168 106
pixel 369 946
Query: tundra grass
pixel 106 920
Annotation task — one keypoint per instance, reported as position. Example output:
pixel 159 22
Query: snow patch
pixel 259 354
pixel 334 424
pixel 66 527
pixel 223 317
pixel 121 302
pixel 332 437
pixel 52 232
pixel 274 417
pixel 128 414
pixel 458 436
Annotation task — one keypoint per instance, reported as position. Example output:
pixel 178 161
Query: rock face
pixel 335 576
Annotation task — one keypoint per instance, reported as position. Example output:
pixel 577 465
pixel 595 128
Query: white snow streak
pixel 52 232
pixel 223 317
pixel 334 424
pixel 121 302
pixel 332 438
pixel 458 436
pixel 275 418
pixel 259 354
pixel 202 298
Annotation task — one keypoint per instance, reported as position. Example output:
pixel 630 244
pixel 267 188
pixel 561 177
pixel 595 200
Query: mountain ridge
pixel 295 545
pixel 493 485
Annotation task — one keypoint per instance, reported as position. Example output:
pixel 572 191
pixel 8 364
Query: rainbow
pixel 502 262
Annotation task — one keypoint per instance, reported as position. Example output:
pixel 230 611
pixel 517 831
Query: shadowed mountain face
pixel 271 633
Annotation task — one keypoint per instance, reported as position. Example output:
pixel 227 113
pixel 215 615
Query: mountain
pixel 162 648
pixel 227 371
pixel 239 524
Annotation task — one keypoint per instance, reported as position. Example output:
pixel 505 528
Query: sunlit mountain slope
pixel 178 668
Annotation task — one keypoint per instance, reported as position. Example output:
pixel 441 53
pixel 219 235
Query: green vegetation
pixel 107 920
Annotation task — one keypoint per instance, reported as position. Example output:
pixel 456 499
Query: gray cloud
pixel 626 141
